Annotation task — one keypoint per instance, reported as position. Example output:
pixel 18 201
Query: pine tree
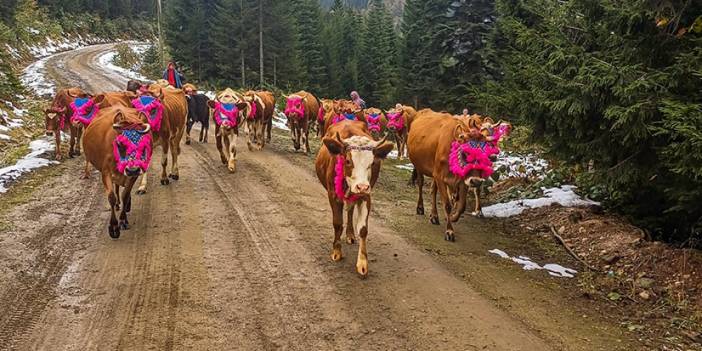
pixel 187 33
pixel 377 79
pixel 307 22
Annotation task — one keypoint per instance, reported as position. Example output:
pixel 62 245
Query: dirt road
pixel 217 261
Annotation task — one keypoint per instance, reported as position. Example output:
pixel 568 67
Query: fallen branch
pixel 570 251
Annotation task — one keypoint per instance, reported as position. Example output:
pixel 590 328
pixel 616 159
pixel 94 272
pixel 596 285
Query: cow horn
pixel 116 126
pixel 148 129
pixel 338 137
pixel 382 141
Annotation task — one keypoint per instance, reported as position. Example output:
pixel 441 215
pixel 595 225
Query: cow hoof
pixel 420 211
pixel 224 161
pixel 350 240
pixel 362 269
pixel 449 236
pixel 165 181
pixel 114 232
pixel 434 220
pixel 141 192
pixel 336 255
pixel 251 148
pixel 124 225
pixel 174 176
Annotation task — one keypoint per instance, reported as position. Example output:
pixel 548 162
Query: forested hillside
pixel 610 87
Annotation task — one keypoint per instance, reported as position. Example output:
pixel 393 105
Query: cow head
pixel 60 110
pixel 373 119
pixel 295 107
pixel 358 162
pixel 133 145
pixel 470 155
pixel 494 132
pixel 85 110
pixel 227 107
pixel 189 89
pixel 396 120
pixel 150 102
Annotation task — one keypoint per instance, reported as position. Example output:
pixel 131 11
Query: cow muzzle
pixel 474 182
pixel 361 189
pixel 132 171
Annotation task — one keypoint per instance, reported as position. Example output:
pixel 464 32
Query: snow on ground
pixel 107 60
pixel 10 123
pixel 27 163
pixel 280 121
pixel 406 166
pixel 34 78
pixel 521 166
pixel 564 196
pixel 527 264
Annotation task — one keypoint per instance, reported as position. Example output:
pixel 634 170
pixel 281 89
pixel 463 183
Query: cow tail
pixel 413 179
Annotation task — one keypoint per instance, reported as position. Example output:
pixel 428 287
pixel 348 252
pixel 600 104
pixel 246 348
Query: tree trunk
pixel 260 40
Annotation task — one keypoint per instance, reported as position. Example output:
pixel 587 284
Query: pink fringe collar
pixel 84 113
pixel 374 122
pixel 226 114
pixel 295 108
pixel 340 181
pixel 396 121
pixel 472 155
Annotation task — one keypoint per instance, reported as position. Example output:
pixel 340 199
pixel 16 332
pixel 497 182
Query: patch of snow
pixel 34 77
pixel 393 154
pixel 33 30
pixel 406 166
pixel 27 163
pixel 280 121
pixel 565 196
pixel 521 166
pixel 13 52
pixel 527 264
pixel 107 60
pixel 5 137
pixel 17 111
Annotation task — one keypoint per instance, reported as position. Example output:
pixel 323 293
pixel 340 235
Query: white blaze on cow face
pixel 361 150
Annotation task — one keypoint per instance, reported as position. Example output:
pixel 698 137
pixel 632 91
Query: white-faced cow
pixel 348 166
pixel 227 107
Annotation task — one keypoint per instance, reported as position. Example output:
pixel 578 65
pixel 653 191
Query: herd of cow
pixel 119 130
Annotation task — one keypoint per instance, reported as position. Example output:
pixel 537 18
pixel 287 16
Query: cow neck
pixel 226 114
pixel 84 111
pixel 253 110
pixel 340 185
pixel 374 122
pixel 320 114
pixel 151 107
pixel 471 155
pixel 138 149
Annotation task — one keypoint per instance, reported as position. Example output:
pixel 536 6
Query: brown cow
pixel 227 113
pixel 86 110
pixel 260 106
pixel 433 140
pixel 377 123
pixel 167 110
pixel 57 119
pixel 301 109
pixel 119 144
pixel 348 166
pixel 399 122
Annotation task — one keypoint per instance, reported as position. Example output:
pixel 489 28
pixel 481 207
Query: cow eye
pixel 349 162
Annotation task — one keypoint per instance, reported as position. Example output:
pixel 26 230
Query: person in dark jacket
pixel 174 78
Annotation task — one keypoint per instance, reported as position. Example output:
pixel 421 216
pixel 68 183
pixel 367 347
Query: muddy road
pixel 217 261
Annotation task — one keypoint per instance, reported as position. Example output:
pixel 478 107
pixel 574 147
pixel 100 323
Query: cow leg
pixel 478 209
pixel 420 189
pixel 350 236
pixel 207 132
pixel 72 143
pixel 269 127
pixel 202 132
pixel 306 138
pixel 188 128
pixel 338 221
pixel 142 185
pixel 296 136
pixel 231 146
pixel 117 205
pixel 175 152
pixel 218 140
pixel 164 160
pixel 250 130
pixel 57 138
pixel 79 136
pixel 434 216
pixel 449 235
pixel 113 228
pixel 360 224
pixel 460 202
pixel 127 203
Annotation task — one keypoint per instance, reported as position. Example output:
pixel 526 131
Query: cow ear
pixel 143 117
pixel 211 103
pixel 459 132
pixel 334 146
pixel 382 150
pixel 488 120
pixel 99 100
